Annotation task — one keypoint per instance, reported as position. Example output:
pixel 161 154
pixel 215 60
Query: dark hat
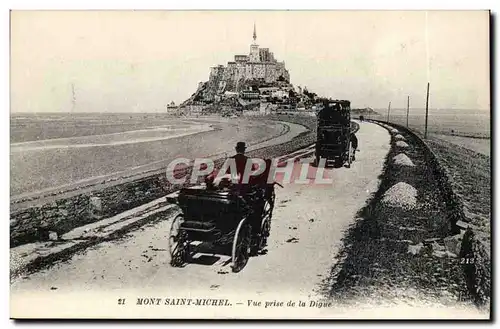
pixel 241 145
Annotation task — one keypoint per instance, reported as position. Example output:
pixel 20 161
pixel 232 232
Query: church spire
pixel 254 47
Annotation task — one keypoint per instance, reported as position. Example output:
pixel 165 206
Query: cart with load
pixel 334 133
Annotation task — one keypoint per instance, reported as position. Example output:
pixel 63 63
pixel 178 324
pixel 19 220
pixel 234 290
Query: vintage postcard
pixel 250 164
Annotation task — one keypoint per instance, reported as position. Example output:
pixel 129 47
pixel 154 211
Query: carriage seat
pixel 201 226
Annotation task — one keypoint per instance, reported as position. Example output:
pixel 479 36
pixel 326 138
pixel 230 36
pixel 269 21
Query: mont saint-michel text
pixel 183 301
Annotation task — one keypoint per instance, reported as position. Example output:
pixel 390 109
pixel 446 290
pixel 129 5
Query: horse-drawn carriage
pixel 334 132
pixel 236 218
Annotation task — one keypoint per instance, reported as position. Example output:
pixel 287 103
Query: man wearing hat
pixel 255 219
pixel 240 159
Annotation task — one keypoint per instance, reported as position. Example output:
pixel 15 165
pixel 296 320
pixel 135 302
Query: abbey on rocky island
pixel 257 69
pixel 259 64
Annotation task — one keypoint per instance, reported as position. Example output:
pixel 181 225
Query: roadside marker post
pixel 407 111
pixel 388 112
pixel 426 110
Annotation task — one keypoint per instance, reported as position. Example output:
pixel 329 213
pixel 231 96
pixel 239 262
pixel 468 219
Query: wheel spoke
pixel 241 248
pixel 178 244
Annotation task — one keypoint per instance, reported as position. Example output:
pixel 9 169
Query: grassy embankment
pixel 376 264
pixel 470 178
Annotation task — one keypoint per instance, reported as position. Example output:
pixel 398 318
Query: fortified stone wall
pixel 35 223
pixel 234 73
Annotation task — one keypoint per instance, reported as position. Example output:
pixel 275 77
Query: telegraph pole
pixel 73 98
pixel 426 110
pixel 388 112
pixel 407 111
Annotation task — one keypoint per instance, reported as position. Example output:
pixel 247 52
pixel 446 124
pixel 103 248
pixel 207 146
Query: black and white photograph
pixel 250 164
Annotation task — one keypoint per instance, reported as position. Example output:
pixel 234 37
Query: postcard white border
pixel 147 4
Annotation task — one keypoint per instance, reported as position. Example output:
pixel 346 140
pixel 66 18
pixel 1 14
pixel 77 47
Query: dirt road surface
pixel 308 224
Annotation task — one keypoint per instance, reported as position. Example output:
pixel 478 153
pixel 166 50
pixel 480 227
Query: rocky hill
pixel 243 77
pixel 365 112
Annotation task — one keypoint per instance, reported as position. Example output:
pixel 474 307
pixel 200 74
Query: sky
pixel 139 61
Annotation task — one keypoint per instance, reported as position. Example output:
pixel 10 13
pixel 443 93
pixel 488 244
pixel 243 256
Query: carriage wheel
pixel 178 243
pixel 349 156
pixel 241 246
pixel 260 240
pixel 265 228
pixel 269 204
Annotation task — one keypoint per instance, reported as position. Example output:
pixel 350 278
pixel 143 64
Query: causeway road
pixel 308 225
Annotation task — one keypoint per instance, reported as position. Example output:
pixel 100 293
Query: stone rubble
pixel 403 160
pixel 453 243
pixel 443 254
pixel 415 249
pixel 52 236
pixel 402 144
pixel 401 195
pixel 437 247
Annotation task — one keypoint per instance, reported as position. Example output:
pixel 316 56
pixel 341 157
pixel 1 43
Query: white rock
pixel 437 247
pixel 464 225
pixel 442 254
pixel 399 137
pixel 401 195
pixel 95 203
pixel 403 160
pixel 415 249
pixel 394 131
pixel 52 236
pixel 402 144
pixel 403 228
pixel 453 243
